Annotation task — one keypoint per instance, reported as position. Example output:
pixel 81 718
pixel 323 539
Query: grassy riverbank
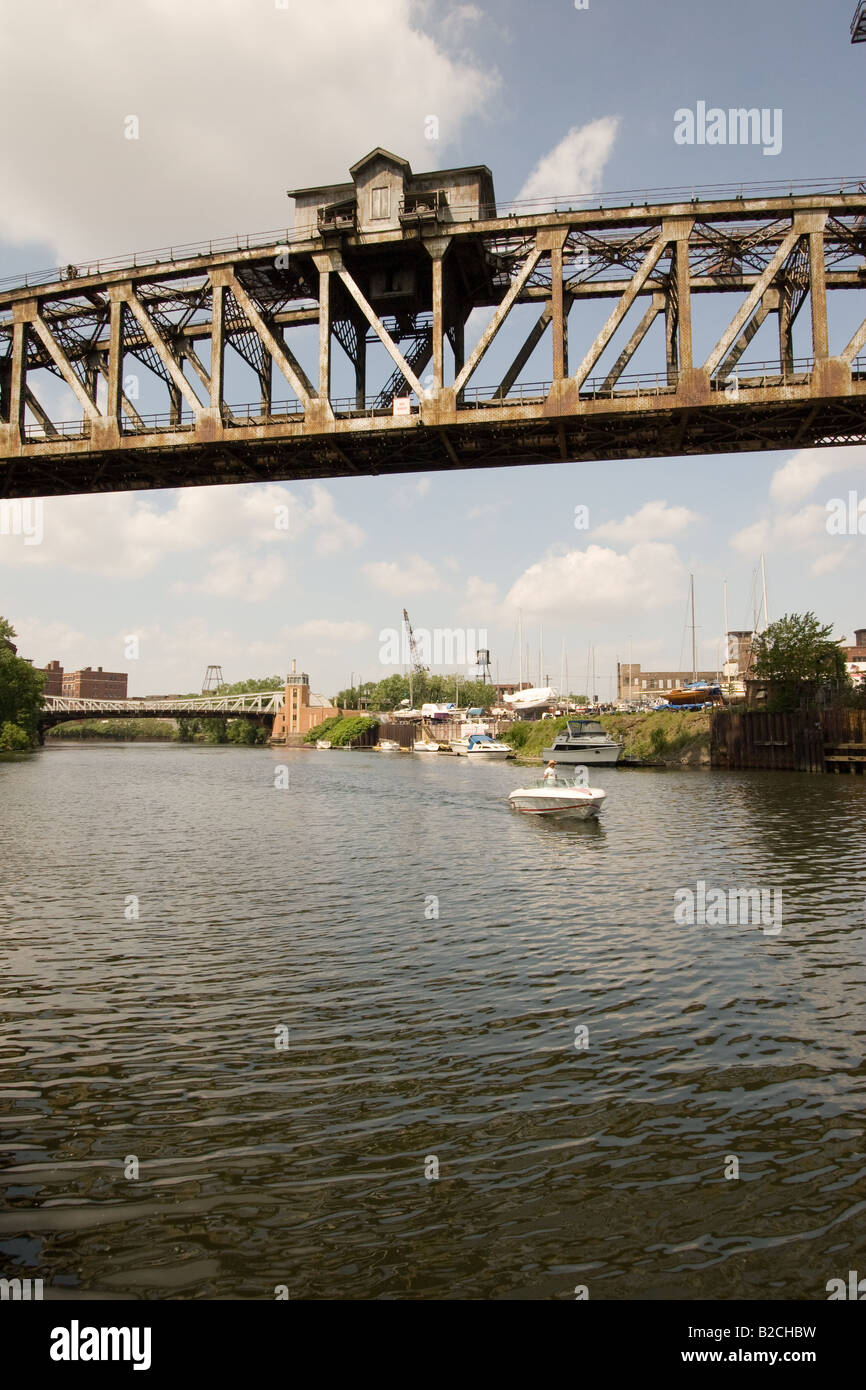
pixel 661 738
pixel 117 730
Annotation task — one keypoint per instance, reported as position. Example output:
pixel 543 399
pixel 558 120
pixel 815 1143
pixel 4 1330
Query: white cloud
pixel 127 535
pixel 788 530
pixel 479 598
pixel 236 102
pixel 335 534
pixel 332 631
pixel 599 582
pixel 800 475
pixel 233 575
pixel 575 165
pixel 651 522
pixel 42 641
pixel 413 575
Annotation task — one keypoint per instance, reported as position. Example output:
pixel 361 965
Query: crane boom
pixel 417 663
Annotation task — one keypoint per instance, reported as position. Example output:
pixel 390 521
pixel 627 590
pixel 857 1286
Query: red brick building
pixel 53 678
pixel 88 684
pixel 855 657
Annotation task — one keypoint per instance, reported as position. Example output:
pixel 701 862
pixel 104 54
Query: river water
pixel 249 1087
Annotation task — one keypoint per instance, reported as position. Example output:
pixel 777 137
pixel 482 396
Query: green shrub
pixel 13 739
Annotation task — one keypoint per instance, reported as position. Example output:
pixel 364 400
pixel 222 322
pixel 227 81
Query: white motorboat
pixel 425 745
pixel 583 741
pixel 388 745
pixel 484 749
pixel 558 798
pixel 323 743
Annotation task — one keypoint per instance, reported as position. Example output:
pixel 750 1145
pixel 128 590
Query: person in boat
pixel 550 772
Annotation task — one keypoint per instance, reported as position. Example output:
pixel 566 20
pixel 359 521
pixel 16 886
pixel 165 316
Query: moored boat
pixel 388 745
pixel 323 743
pixel 583 741
pixel 482 748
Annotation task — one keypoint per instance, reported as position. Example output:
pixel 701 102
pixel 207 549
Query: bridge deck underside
pixel 478 441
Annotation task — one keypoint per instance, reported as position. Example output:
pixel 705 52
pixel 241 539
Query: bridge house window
pixel 381 202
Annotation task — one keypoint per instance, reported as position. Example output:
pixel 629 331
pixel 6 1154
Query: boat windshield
pixel 576 727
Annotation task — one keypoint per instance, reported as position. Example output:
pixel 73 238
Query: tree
pixel 798 655
pixel 20 694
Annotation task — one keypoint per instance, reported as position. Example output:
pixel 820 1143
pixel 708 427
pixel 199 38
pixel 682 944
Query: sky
pixel 235 101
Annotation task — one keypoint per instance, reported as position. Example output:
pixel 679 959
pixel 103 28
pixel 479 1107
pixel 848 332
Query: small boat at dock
pixel 583 741
pixel 484 749
pixel 388 745
pixel 323 743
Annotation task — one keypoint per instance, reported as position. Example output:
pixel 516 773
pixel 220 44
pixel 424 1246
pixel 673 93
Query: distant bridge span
pixel 259 706
pixel 411 285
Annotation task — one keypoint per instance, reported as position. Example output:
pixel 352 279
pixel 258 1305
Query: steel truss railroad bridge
pixel 261 706
pixel 406 270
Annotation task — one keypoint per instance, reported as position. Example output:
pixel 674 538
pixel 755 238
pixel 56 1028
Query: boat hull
pixel 489 755
pixel 558 806
pixel 597 755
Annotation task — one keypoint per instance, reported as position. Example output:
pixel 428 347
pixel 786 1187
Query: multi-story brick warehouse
pixel 53 678
pixel 88 684
pixel 634 684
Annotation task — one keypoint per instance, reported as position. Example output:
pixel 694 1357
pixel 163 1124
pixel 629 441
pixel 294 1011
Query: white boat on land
pixel 583 741
pixel 323 743
pixel 388 745
pixel 558 798
pixel 484 749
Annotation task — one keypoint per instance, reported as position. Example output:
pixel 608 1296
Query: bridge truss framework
pixel 656 262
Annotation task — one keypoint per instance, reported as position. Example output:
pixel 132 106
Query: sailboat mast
pixel 725 601
pixel 764 586
pixel 520 645
pixel 694 643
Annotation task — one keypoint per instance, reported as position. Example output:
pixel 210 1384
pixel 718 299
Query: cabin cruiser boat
pixel 558 798
pixel 482 748
pixel 388 745
pixel 461 745
pixel 323 743
pixel 583 741
pixel 425 745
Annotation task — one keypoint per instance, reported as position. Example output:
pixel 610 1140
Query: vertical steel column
pixel 115 359
pixel 361 363
pixel 18 374
pixel 217 343
pixel 324 328
pixel 682 272
pixel 560 326
pixel 437 247
pixel 818 281
pixel 786 337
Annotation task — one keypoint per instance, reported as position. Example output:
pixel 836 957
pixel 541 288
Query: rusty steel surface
pixel 411 289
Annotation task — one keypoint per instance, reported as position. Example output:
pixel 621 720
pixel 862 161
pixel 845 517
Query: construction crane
pixel 415 663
